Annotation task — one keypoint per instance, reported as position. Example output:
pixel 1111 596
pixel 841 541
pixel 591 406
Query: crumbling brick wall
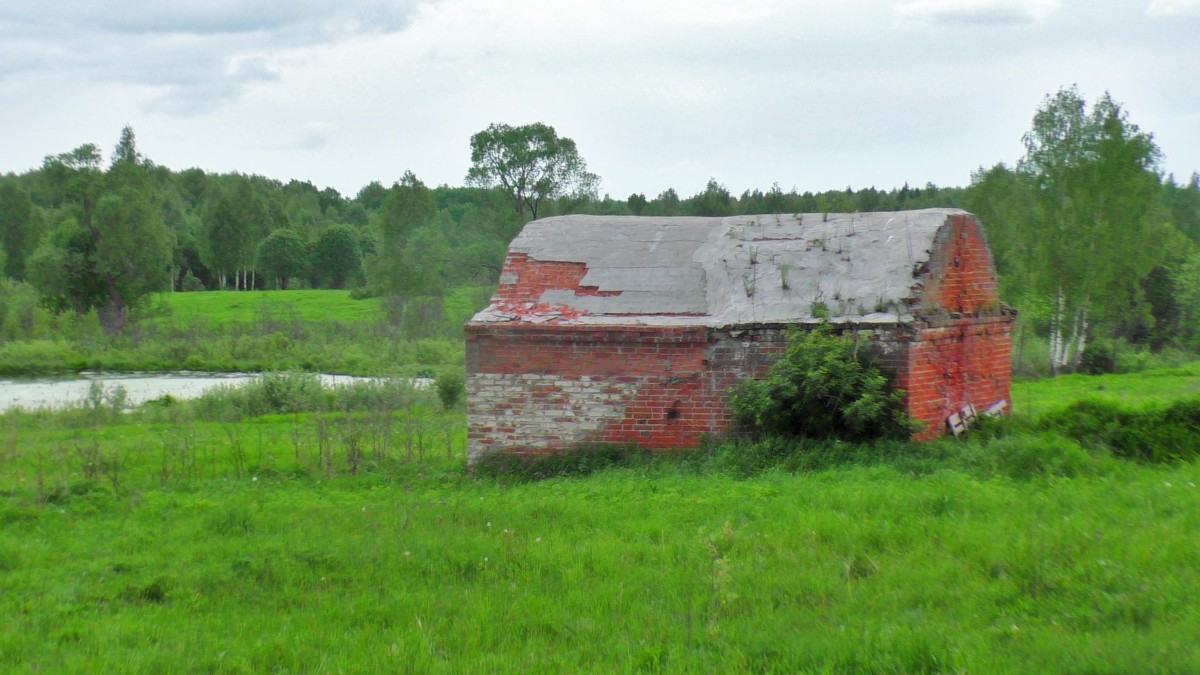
pixel 961 352
pixel 952 366
pixel 536 389
pixel 539 383
pixel 540 389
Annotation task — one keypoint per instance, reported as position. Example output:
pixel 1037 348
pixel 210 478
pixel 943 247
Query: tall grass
pixel 1033 398
pixel 214 549
pixel 338 531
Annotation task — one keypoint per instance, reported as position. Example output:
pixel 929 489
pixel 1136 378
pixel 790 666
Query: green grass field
pixel 218 309
pixel 315 331
pixel 356 542
pixel 221 309
pixel 1036 397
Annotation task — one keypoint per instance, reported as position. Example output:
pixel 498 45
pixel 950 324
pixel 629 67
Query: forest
pixel 1094 246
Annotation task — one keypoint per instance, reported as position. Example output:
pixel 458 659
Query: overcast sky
pixel 656 93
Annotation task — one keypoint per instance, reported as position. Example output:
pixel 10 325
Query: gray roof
pixel 730 271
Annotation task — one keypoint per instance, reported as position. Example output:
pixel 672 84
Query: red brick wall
pixel 534 389
pixel 524 280
pixel 632 384
pixel 538 388
pixel 960 278
pixel 962 351
pixel 952 366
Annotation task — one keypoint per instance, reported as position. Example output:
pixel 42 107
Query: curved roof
pixel 858 267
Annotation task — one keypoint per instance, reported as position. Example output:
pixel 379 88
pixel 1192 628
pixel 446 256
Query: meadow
pixel 291 529
pixel 217 309
pixel 255 331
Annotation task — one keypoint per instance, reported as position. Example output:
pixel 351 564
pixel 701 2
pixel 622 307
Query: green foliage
pixel 1151 434
pixel 530 164
pixel 714 201
pixel 292 392
pixel 413 252
pixel 224 311
pixel 190 283
pixel 1099 356
pixel 115 251
pixel 1008 449
pixel 451 387
pixel 19 228
pixel 407 207
pixel 233 215
pixel 39 357
pixel 336 257
pixel 1182 201
pixel 1078 226
pixel 282 256
pixel 824 386
pixel 1186 277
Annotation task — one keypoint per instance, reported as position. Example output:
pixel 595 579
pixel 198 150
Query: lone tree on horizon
pixel 530 163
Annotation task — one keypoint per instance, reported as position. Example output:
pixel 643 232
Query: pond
pixel 59 392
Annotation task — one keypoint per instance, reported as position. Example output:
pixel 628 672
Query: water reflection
pixel 34 393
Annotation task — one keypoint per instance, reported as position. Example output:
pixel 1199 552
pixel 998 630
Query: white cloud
pixel 980 12
pixel 192 55
pixel 1173 7
pixel 657 93
pixel 314 136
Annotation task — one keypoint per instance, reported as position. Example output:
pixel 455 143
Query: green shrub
pixel 450 387
pixel 1099 356
pixel 191 283
pixel 270 393
pixel 387 394
pixel 1151 434
pixel 291 392
pixel 824 386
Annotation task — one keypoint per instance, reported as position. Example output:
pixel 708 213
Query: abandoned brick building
pixel 632 329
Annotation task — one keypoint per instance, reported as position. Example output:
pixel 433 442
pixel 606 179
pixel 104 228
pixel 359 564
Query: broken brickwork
pixel 628 330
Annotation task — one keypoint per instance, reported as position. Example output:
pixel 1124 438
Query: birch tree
pixel 1094 229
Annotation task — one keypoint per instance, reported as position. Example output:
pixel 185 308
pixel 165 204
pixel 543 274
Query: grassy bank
pixel 344 537
pixel 850 570
pixel 1032 398
pixel 327 331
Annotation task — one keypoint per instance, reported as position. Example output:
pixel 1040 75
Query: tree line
pixel 1089 239
pixel 91 235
